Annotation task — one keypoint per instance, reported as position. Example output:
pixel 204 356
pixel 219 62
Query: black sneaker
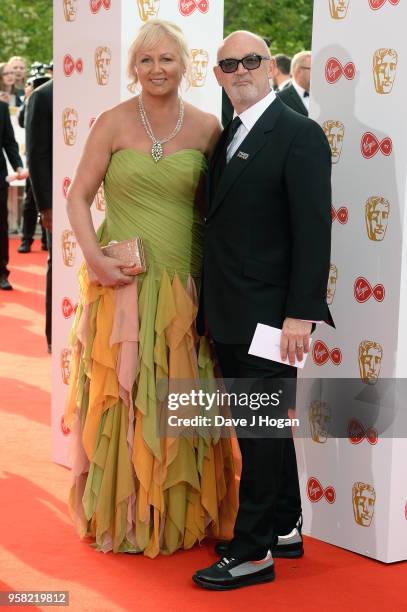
pixel 231 573
pixel 24 248
pixel 290 546
pixel 4 284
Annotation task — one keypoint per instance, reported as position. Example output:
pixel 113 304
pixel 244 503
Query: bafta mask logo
pixel 316 491
pixel 375 5
pixel 65 186
pixel 319 417
pixel 335 132
pixel 370 361
pixel 363 290
pixel 200 60
pixel 384 70
pixel 377 211
pixel 148 9
pixel 357 433
pixel 334 70
pixel 103 58
pixel 64 427
pixel 363 502
pixel 100 201
pixel 70 9
pixel 333 277
pixel 370 145
pixel 187 7
pixel 342 214
pixel 68 247
pixel 70 126
pixel 68 308
pixel 338 8
pixel 66 357
pixel 70 65
pixel 321 354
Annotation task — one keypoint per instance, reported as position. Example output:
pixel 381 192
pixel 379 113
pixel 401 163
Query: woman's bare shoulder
pixel 207 125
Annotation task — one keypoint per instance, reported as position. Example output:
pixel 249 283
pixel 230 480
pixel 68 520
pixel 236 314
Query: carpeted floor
pixel 40 551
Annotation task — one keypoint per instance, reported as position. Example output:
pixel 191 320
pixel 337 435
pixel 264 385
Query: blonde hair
pixel 149 35
pixel 298 58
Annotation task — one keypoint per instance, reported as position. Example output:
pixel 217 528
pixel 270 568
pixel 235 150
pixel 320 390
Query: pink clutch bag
pixel 130 253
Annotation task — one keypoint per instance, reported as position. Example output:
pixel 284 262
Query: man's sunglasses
pixel 250 62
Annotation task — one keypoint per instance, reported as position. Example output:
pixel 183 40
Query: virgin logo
pixel 363 290
pixel 316 492
pixel 370 145
pixel 187 7
pixel 375 5
pixel 68 308
pixel 64 428
pixel 96 5
pixel 70 65
pixel 321 354
pixel 342 214
pixel 65 186
pixel 357 433
pixel 334 70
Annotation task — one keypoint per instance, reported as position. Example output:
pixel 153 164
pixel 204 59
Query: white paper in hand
pixel 266 344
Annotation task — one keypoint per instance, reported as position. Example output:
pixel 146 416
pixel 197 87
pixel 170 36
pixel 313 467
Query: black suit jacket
pixel 38 128
pixel 268 228
pixel 8 144
pixel 290 97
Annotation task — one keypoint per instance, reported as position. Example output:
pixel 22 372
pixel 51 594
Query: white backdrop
pixel 354 489
pixel 90 59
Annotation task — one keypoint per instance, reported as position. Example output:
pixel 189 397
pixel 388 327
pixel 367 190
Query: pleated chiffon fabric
pixel 132 490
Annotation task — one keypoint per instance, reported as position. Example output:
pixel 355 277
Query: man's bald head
pixel 243 37
pixel 245 86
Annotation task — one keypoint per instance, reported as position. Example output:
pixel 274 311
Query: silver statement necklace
pixel 157 152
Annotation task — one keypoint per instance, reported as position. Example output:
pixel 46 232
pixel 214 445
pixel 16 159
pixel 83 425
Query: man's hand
pixel 295 339
pixel 46 219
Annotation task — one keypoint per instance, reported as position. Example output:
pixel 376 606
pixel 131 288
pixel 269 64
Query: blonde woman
pixel 132 490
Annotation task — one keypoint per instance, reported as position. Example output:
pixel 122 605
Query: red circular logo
pixel 70 65
pixel 321 354
pixel 370 145
pixel 342 214
pixel 363 290
pixel 334 70
pixel 357 433
pixel 316 492
pixel 375 5
pixel 187 7
pixel 96 5
pixel 64 428
pixel 65 186
pixel 68 309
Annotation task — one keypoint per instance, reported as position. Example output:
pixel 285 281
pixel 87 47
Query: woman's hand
pixel 110 272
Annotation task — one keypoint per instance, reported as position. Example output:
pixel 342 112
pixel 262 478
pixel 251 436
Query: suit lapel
pixel 297 101
pixel 246 152
pixel 216 164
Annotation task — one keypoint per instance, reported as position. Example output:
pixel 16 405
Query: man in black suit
pixel 296 95
pixel 38 127
pixel 8 145
pixel 281 71
pixel 266 260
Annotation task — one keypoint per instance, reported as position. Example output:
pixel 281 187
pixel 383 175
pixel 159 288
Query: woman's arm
pixel 88 177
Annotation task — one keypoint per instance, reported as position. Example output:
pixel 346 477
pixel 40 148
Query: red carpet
pixel 39 549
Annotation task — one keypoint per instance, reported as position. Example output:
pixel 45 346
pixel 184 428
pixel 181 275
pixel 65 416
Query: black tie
pixel 306 94
pixel 234 126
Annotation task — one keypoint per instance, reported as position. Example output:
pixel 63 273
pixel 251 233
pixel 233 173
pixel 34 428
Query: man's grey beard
pixel 244 94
